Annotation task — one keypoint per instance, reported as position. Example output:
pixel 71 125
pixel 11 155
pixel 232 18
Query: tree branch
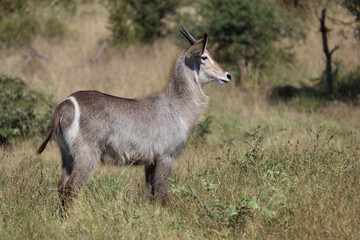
pixel 338 21
pixel 334 49
pixel 35 53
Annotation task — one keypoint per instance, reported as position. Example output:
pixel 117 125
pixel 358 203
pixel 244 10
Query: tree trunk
pixel 328 54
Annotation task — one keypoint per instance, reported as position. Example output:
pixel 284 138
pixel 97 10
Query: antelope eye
pixel 204 58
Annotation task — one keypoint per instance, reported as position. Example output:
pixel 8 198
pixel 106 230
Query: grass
pixel 254 169
pixel 305 188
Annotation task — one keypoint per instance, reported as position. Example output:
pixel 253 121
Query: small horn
pixel 188 36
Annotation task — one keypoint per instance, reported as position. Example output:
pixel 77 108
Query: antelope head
pixel 198 58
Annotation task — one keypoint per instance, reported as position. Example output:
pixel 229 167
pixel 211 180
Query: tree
pixel 245 31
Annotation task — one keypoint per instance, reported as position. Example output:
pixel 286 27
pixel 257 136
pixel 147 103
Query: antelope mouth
pixel 223 80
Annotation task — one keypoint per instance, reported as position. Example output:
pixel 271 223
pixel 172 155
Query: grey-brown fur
pixel 151 130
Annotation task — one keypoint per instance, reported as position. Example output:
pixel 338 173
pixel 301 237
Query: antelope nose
pixel 228 76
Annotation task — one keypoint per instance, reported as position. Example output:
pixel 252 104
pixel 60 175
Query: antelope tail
pixel 43 145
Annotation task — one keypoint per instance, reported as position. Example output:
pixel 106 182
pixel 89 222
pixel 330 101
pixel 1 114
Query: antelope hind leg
pixel 84 165
pixel 149 179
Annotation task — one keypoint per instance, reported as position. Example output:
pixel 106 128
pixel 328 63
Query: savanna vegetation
pixel 275 156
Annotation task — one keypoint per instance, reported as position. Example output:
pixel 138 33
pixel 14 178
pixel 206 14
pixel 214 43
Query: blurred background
pixel 276 155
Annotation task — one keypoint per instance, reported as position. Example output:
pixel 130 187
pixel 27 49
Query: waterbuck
pixel 91 126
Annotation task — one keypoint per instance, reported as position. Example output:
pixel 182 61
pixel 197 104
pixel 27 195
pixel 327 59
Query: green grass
pixel 306 187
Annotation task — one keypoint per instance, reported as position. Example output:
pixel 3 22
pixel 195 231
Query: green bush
pixel 139 20
pixel 22 112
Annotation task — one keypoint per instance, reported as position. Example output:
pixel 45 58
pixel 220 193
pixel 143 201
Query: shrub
pixel 139 20
pixel 22 112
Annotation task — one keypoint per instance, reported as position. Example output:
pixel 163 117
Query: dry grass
pixel 72 66
pixel 297 176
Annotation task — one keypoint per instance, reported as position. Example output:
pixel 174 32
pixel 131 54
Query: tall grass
pixel 298 190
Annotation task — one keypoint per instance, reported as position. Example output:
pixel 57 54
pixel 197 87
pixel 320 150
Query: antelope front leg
pixel 163 166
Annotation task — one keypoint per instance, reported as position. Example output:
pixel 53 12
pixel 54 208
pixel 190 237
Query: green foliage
pixel 118 19
pixel 23 112
pixel 245 29
pixel 139 20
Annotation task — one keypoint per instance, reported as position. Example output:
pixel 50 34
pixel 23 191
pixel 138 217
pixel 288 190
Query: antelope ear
pixel 196 49
pixel 205 39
